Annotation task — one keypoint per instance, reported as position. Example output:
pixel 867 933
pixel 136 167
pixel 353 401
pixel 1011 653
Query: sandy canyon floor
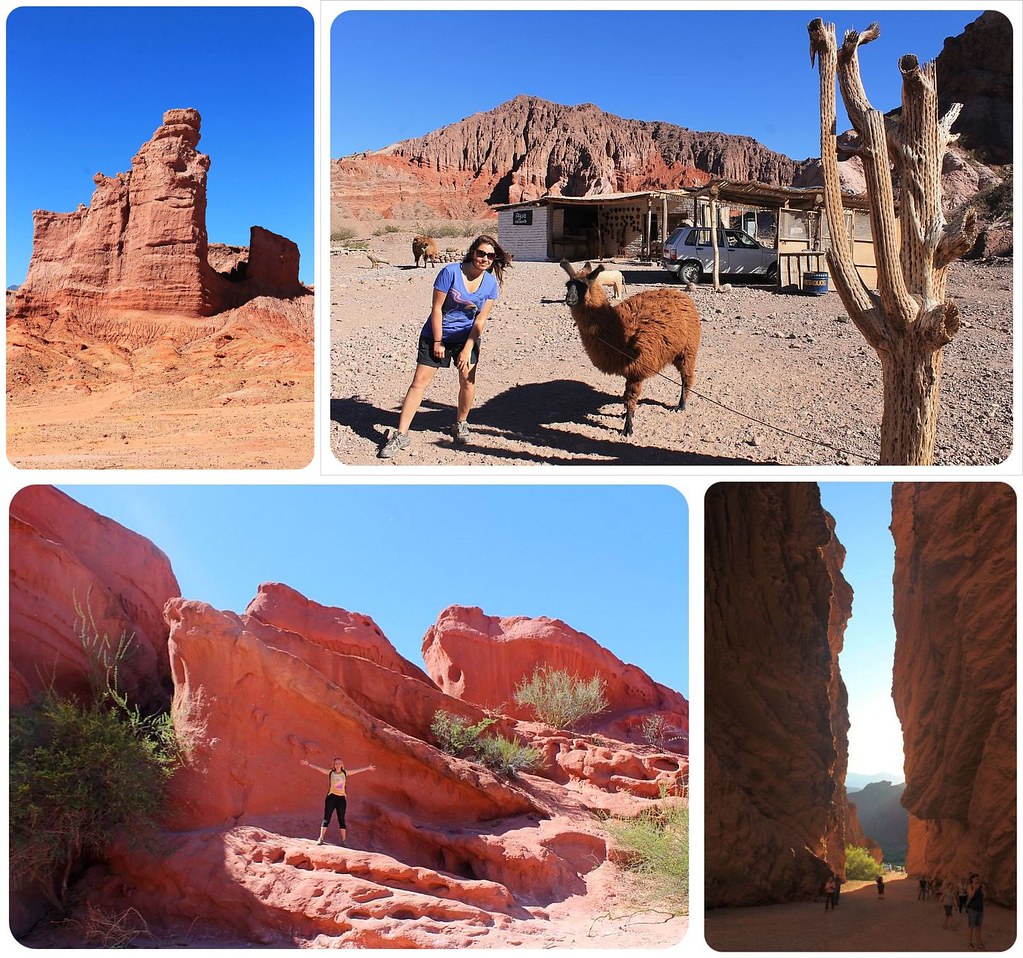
pixel 862 922
pixel 781 378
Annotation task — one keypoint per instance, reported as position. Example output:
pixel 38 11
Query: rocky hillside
pixel 443 851
pixel 528 148
pixel 975 69
pixel 777 718
pixel 954 683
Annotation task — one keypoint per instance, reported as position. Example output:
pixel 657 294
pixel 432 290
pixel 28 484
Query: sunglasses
pixel 484 255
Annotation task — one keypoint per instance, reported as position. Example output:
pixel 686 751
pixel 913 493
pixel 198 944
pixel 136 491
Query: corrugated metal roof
pixel 730 191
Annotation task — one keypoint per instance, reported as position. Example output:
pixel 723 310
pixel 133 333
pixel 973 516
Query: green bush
pixel 457 737
pixel 79 776
pixel 860 864
pixel 507 757
pixel 655 848
pixel 561 699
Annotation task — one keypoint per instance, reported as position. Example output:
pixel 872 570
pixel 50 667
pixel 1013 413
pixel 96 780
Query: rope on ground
pixel 767 425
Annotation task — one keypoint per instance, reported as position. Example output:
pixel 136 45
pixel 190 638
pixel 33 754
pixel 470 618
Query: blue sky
pixel 86 87
pixel 863 513
pixel 611 561
pixel 442 66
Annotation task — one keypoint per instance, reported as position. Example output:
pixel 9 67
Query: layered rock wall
pixel 141 244
pixel 954 682
pixel 777 722
pixel 73 570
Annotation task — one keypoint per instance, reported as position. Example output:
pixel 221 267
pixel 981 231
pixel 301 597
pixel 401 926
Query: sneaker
pixel 460 432
pixel 394 445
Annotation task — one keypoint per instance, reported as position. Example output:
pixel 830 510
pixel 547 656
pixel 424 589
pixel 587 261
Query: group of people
pixel 955 897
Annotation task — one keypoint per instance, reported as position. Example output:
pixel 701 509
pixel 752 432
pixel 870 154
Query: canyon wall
pixel 954 682
pixel 777 719
pixel 141 244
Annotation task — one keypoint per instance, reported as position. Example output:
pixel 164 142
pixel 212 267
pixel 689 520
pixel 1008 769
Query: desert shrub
pixel 82 773
pixel 860 864
pixel 561 699
pixel 654 847
pixel 389 228
pixel 654 728
pixel 79 776
pixel 507 757
pixel 457 737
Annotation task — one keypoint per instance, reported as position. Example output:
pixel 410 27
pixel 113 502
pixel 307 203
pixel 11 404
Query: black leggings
pixel 335 803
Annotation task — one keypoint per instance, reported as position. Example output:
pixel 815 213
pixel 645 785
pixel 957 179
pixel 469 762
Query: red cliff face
pixel 776 610
pixel 954 682
pixel 142 245
pixel 63 554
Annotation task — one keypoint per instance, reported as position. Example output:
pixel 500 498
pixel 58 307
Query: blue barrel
pixel 815 284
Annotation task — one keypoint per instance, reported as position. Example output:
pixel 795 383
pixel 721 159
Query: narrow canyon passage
pixel 860 923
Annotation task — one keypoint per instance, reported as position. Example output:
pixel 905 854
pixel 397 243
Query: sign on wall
pixel 522 217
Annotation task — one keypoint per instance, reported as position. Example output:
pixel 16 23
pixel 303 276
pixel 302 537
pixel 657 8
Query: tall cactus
pixel 908 320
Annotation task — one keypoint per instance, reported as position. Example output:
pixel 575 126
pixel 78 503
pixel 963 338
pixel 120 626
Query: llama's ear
pixel 595 272
pixel 567 267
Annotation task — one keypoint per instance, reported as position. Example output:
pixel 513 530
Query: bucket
pixel 815 284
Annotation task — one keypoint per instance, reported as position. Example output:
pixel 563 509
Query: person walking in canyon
pixel 830 887
pixel 336 801
pixel 975 911
pixel 463 296
pixel 947 901
pixel 880 886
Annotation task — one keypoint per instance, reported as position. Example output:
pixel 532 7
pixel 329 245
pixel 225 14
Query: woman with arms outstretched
pixel 336 801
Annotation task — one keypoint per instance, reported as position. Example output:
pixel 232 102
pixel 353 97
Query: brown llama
pixel 638 337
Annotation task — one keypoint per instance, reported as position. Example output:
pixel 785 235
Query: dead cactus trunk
pixel 907 321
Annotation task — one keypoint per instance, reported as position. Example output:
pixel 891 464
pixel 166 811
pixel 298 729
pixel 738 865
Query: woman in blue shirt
pixel 463 295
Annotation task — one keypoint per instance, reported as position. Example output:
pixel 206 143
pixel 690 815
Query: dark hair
pixel 502 259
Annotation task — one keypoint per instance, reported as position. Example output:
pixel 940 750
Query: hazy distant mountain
pixel 854 781
pixel 883 818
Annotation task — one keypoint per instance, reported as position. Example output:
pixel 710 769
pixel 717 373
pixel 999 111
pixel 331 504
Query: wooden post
pixel 714 235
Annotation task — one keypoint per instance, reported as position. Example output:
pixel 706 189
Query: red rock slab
pixel 63 553
pixel 482 659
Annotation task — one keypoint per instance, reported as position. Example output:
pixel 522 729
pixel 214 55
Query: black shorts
pixel 334 803
pixel 451 351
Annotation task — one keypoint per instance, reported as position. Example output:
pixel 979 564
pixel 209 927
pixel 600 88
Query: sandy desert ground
pixel 236 394
pixel 781 378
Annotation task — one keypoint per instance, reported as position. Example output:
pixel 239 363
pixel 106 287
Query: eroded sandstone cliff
pixel 954 682
pixel 142 245
pixel 442 852
pixel 777 720
pixel 75 572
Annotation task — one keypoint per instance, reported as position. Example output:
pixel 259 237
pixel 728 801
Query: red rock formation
pixel 482 659
pixel 63 553
pixel 445 851
pixel 529 147
pixel 776 609
pixel 142 243
pixel 454 848
pixel 975 69
pixel 955 677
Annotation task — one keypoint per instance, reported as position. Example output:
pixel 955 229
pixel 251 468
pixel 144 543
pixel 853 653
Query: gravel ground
pixel 780 379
